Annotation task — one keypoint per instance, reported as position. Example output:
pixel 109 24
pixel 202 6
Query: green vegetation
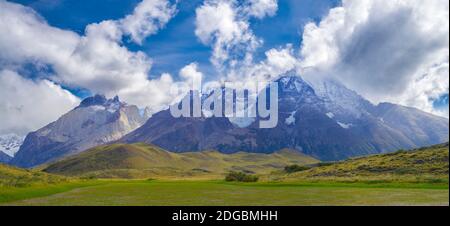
pixel 9 194
pixel 295 168
pixel 240 177
pixel 219 193
pixel 147 161
pixel 16 177
pixel 417 177
pixel 425 165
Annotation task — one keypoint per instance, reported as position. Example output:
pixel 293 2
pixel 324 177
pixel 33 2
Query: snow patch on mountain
pixel 339 99
pixel 10 144
pixel 330 115
pixel 291 119
pixel 344 125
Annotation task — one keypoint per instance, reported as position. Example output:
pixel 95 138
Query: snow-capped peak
pixel 338 98
pixel 293 83
pixel 10 143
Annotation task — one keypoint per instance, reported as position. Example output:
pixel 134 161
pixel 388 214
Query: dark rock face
pixel 328 122
pixel 95 100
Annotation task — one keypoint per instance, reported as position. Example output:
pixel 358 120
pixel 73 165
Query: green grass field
pixel 188 193
pixel 118 175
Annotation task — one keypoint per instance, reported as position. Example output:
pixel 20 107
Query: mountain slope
pixel 95 122
pixel 16 177
pixel 420 127
pixel 386 126
pixel 424 164
pixel 333 123
pixel 141 160
pixel 4 158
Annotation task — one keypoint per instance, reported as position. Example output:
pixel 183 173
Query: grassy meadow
pixel 219 193
pixel 142 175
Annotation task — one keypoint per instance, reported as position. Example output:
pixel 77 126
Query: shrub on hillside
pixel 325 164
pixel 295 168
pixel 240 177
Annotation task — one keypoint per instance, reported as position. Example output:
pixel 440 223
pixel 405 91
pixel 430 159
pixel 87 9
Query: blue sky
pixel 176 45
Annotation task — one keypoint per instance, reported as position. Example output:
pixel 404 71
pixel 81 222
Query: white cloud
pixel 191 74
pixel 26 37
pixel 27 105
pixel 154 93
pixel 262 8
pixel 387 50
pixel 281 60
pixel 278 61
pixel 148 17
pixel 430 86
pixel 97 61
pixel 224 25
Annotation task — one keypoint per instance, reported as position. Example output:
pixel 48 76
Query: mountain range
pixel 322 119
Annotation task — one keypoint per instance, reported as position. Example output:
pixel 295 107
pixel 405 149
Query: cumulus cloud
pixel 225 26
pixel 148 17
pixel 97 61
pixel 278 61
pixel 387 50
pixel 262 8
pixel 425 89
pixel 26 37
pixel 191 74
pixel 27 105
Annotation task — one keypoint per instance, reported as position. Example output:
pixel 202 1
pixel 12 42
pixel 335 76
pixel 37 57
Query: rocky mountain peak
pixel 100 100
pixel 94 100
pixel 96 121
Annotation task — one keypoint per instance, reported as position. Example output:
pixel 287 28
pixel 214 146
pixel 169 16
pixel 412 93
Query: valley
pixel 138 174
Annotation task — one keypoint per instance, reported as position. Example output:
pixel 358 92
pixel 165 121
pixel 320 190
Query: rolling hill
pixel 428 164
pixel 4 158
pixel 17 177
pixel 148 161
